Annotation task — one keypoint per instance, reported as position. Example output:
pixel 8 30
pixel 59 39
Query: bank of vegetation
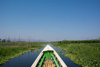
pixel 13 49
pixel 79 41
pixel 85 53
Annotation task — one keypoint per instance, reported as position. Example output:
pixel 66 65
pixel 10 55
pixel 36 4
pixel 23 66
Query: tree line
pixel 79 41
pixel 4 40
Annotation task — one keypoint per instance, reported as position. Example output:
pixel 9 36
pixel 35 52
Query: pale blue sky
pixel 50 20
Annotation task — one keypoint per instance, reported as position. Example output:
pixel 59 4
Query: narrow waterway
pixel 27 59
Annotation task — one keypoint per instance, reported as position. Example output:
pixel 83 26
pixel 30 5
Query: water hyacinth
pixel 84 54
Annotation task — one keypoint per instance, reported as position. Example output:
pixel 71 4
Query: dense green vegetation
pixel 9 52
pixel 12 49
pixel 79 41
pixel 84 54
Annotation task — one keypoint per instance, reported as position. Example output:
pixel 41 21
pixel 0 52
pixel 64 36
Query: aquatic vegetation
pixel 60 52
pixel 14 49
pixel 9 52
pixel 84 54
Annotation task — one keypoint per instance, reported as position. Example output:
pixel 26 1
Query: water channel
pixel 27 59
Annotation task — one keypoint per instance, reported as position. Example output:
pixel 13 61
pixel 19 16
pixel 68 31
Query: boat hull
pixel 46 55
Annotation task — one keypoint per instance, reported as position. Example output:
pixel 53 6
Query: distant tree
pixel 3 40
pixel 8 41
pixel 0 39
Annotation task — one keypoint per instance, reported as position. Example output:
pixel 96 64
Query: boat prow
pixel 48 58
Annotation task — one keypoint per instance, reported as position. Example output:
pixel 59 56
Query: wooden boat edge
pixel 48 48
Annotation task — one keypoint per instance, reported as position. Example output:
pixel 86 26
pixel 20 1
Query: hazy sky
pixel 50 20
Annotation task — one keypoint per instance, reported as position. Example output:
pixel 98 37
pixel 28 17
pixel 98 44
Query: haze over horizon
pixel 50 20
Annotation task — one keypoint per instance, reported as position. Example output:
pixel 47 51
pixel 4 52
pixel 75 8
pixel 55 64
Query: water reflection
pixel 27 59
